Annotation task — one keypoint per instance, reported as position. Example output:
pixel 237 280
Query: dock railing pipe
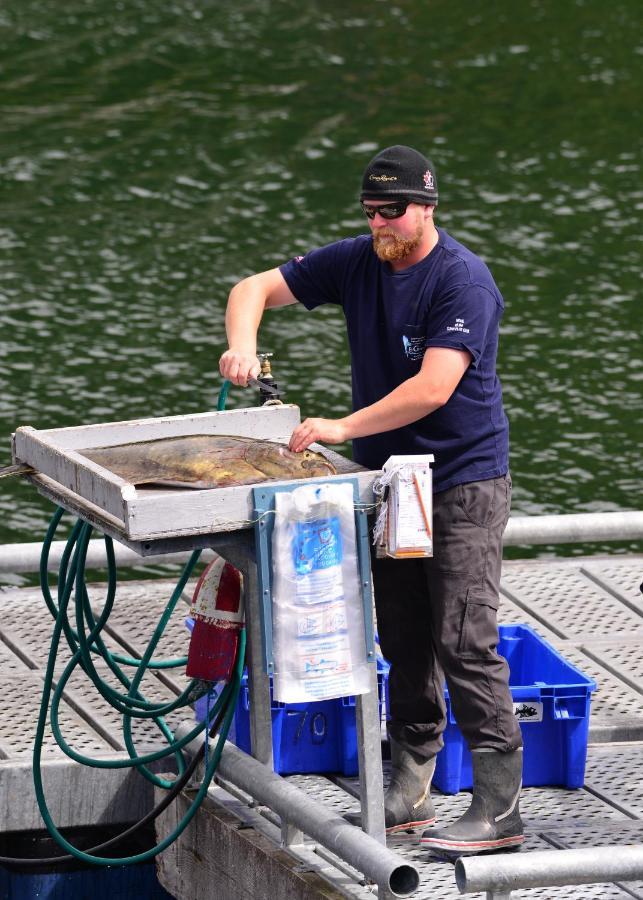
pixel 575 528
pixel 565 529
pixel 20 558
pixel 548 868
pixel 346 841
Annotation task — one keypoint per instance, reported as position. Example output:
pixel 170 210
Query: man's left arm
pixel 418 396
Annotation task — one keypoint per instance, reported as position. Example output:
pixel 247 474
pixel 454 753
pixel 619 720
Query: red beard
pixel 389 246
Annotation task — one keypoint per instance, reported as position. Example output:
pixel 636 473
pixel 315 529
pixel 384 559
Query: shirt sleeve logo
pixel 458 326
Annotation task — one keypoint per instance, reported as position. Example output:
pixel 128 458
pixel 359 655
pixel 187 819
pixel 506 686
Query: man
pixel 422 314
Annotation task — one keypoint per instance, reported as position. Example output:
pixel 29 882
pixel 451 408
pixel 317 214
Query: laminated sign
pixel 404 526
pixel 318 619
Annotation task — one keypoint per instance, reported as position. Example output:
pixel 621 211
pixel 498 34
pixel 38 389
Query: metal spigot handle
pixel 266 368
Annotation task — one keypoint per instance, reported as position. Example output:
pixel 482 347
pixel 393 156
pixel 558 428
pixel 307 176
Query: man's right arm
pixel 246 303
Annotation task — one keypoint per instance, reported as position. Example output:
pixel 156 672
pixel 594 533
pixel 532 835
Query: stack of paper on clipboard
pixel 409 523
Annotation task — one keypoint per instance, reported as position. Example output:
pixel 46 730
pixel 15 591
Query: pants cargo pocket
pixel 479 628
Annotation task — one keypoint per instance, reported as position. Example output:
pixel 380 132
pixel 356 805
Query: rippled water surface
pixel 152 154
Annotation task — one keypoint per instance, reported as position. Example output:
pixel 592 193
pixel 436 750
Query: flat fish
pixel 204 461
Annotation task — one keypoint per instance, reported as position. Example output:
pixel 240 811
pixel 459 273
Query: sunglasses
pixel 386 210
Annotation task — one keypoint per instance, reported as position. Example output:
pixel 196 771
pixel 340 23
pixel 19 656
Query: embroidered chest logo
pixel 459 326
pixel 413 346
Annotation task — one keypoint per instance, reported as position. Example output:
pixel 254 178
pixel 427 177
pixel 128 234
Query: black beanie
pixel 400 173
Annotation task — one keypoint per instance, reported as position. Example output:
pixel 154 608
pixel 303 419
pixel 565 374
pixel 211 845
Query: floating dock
pixel 590 609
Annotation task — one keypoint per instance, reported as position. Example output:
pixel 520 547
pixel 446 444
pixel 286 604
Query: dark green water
pixel 152 154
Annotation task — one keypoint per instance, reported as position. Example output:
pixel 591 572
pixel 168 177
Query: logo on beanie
pixel 429 183
pixel 382 177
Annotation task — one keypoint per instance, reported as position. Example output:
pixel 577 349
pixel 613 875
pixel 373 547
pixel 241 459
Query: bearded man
pixel 422 313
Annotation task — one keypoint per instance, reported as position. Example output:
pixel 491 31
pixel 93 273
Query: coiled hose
pixel 86 643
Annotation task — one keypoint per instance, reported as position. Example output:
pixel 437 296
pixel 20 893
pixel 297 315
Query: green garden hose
pixel 223 395
pixel 86 644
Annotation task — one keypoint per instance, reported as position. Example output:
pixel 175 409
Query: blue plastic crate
pixel 313 737
pixel 552 700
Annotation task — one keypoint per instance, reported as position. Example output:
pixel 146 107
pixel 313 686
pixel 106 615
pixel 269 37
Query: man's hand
pixel 237 367
pixel 327 431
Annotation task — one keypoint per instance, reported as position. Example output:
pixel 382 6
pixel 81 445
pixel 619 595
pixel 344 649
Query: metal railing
pixel 393 875
pixel 521 530
pixel 500 875
pixel 24 558
pixel 575 528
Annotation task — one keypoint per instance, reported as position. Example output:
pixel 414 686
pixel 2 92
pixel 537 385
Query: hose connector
pixel 273 395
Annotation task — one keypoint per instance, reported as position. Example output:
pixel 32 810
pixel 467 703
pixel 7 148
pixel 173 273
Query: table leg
pixel 258 680
pixel 369 750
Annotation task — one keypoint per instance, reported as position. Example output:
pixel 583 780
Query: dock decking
pixel 590 609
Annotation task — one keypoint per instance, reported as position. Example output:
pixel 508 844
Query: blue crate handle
pixel 264 504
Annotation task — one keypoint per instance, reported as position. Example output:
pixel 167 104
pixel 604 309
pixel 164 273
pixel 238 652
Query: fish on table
pixel 202 461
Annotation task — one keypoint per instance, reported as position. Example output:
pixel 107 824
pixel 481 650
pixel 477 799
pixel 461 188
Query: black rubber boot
pixel 407 803
pixel 492 822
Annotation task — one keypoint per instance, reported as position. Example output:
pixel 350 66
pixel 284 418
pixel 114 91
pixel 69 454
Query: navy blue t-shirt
pixel 448 299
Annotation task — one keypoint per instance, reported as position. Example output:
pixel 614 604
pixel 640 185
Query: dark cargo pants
pixel 437 618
